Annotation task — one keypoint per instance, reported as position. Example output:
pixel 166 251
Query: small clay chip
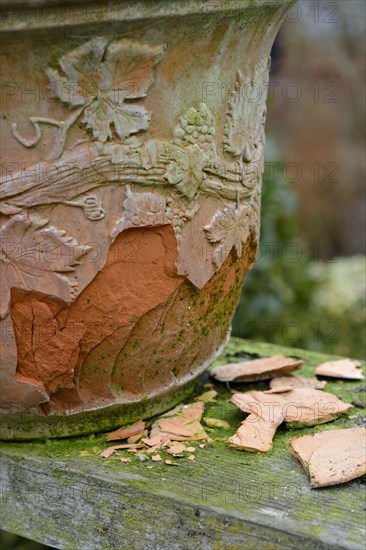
pixel 350 369
pixel 257 369
pixel 129 446
pixel 331 457
pixel 297 382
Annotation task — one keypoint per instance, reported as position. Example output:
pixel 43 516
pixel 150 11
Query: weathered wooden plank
pixel 63 494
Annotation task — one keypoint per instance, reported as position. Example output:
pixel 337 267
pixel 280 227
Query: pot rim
pixel 40 14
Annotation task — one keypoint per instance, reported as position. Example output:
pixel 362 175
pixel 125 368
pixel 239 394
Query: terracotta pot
pixel 132 142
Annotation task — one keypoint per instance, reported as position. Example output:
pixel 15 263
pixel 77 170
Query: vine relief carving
pixel 103 84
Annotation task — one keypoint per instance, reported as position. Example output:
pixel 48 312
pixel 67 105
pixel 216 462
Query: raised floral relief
pixel 229 229
pixel 103 84
pixel 100 83
pixel 242 128
pixel 33 253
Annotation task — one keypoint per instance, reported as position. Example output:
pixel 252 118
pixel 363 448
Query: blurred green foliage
pixel 293 296
pixel 9 541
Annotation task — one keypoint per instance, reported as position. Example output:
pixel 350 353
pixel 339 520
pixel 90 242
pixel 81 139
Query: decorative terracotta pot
pixel 132 142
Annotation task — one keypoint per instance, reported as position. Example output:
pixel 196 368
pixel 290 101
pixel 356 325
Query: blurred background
pixel 308 286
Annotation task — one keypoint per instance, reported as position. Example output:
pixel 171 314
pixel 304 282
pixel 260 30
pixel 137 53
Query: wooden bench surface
pixel 62 493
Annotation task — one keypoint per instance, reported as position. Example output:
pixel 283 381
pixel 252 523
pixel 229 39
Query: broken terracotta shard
pixel 125 433
pixel 256 369
pixel 331 457
pixel 268 409
pixel 300 406
pixel 129 446
pixel 297 382
pixel 350 369
pixel 256 433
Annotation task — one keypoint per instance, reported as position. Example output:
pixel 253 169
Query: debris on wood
pixel 156 458
pixel 181 424
pixel 171 463
pixel 207 397
pixel 256 369
pixel 129 431
pixel 130 446
pixel 136 438
pixel 331 457
pixel 216 423
pixel 349 369
pixel 152 441
pixel 256 433
pixel 297 382
pixel 176 448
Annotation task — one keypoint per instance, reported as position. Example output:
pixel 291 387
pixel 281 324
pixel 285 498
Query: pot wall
pixel 132 157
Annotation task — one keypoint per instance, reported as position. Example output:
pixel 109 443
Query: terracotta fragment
pixel 256 433
pixel 296 382
pixel 156 458
pixel 300 406
pixel 110 450
pixel 171 463
pixel 176 449
pixel 332 457
pixel 136 438
pixel 268 409
pixel 130 431
pixel 350 369
pixel 279 389
pixel 256 369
